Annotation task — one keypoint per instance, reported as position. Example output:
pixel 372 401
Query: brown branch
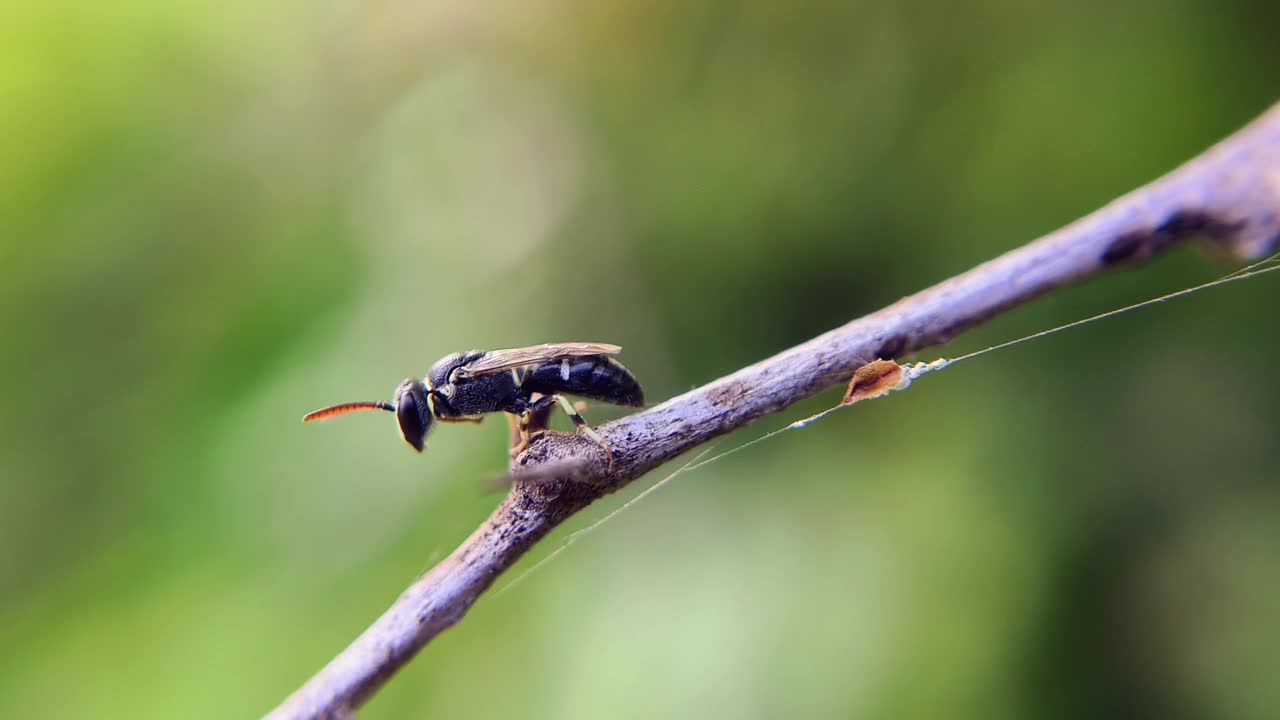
pixel 1230 194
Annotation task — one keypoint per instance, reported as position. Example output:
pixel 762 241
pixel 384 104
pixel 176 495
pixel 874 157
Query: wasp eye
pixel 413 424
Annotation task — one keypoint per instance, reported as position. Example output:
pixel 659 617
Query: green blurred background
pixel 217 216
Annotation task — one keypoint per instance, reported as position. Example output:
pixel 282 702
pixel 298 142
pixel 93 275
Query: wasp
pixel 463 387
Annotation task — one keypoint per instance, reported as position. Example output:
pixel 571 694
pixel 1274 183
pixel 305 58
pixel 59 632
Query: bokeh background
pixel 217 216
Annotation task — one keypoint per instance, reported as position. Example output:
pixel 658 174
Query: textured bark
pixel 1229 195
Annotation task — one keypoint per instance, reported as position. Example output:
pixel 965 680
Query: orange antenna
pixel 344 408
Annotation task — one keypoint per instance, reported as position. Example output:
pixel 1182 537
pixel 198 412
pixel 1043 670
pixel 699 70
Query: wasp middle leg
pixel 529 424
pixel 541 405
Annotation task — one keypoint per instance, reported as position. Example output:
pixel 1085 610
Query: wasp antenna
pixel 344 408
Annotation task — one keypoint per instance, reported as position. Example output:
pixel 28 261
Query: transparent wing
pixel 497 360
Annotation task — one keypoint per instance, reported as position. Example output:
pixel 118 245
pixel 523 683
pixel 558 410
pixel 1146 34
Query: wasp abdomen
pixel 598 377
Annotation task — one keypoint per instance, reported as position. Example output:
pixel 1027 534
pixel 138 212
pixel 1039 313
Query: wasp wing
pixel 498 360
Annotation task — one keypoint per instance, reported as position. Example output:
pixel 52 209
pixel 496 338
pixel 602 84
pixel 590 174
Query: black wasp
pixel 464 386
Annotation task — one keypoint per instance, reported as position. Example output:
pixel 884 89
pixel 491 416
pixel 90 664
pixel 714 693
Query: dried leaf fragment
pixel 873 380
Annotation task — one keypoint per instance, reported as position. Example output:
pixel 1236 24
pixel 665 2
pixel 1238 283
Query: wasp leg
pixel 529 423
pixel 475 420
pixel 582 425
pixel 523 431
pixel 519 434
pixel 516 426
pixel 533 422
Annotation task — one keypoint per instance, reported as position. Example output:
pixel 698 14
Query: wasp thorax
pixel 413 412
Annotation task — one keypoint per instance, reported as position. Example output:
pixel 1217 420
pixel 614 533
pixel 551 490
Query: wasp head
pixel 412 407
pixel 413 412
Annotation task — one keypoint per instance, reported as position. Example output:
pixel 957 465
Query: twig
pixel 1230 194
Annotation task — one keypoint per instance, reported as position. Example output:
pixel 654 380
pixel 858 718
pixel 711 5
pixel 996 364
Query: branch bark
pixel 1230 195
